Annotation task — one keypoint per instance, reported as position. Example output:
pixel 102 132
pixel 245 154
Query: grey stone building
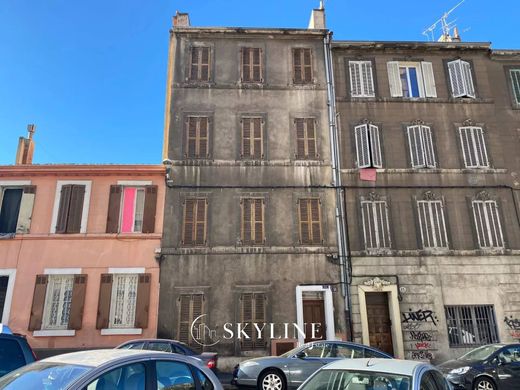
pixel 430 163
pixel 249 228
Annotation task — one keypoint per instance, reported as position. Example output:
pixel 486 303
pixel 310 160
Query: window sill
pixel 120 331
pixel 450 100
pixel 54 333
pixel 429 170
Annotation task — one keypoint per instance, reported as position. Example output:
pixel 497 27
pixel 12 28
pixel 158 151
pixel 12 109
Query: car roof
pixel 350 343
pixel 391 366
pixel 148 340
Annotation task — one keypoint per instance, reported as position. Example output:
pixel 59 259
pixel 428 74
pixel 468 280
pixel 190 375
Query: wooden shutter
pixel 305 234
pixel 114 208
pixel 259 318
pixel 189 222
pixel 26 208
pixel 150 204
pixel 77 197
pixel 201 219
pixel 394 79
pixel 362 146
pixel 194 226
pixel 251 65
pixel 38 303
pixel 105 297
pixel 297 66
pixel 194 63
pixel 259 221
pixel 257 138
pixel 253 221
pixel 78 301
pixel 63 209
pixel 247 321
pixel 204 64
pixel 315 221
pixel 302 66
pixel 515 83
pixel 256 63
pixel 142 305
pixel 203 137
pixel 312 151
pixel 252 137
pixel 375 147
pixel 246 137
pixel 429 79
pixel 246 64
pixel 191 306
pixel 191 137
pixel 246 221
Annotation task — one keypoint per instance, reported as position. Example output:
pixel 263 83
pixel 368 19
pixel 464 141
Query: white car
pixel 376 374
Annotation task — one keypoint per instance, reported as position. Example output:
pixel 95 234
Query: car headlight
pixel 460 370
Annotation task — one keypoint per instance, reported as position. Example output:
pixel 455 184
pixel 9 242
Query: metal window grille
pixel 432 224
pixel 57 302
pixel 376 227
pixel 515 80
pixel 473 147
pixel 420 141
pixel 487 224
pixel 471 325
pixel 123 304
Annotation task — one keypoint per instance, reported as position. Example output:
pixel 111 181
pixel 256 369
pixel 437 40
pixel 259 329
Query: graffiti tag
pixel 421 355
pixel 423 345
pixel 419 316
pixel 421 336
pixel 515 334
pixel 512 323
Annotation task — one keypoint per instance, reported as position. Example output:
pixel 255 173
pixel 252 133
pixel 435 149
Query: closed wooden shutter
pixel 105 297
pixel 63 209
pixel 300 137
pixel 77 302
pixel 306 138
pixel 70 209
pixel 251 65
pixel 362 146
pixel 315 215
pixel 197 137
pixel 311 138
pixel 375 147
pixel 247 320
pixel 191 306
pixel 305 236
pixel 189 222
pixel 394 79
pixel 38 303
pixel 150 204
pixel 201 218
pixel 195 218
pixel 429 79
pixel 252 137
pixel 200 64
pixel 253 221
pixel 253 310
pixel 302 66
pixel 310 221
pixel 114 208
pixel 142 306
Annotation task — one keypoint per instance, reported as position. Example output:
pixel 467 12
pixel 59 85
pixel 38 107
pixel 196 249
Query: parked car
pixel 15 351
pixel 377 374
pixel 293 367
pixel 210 359
pixel 110 369
pixel 490 367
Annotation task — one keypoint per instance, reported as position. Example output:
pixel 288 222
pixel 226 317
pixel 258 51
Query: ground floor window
pixel 471 325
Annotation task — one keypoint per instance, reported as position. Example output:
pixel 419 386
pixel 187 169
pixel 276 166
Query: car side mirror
pixel 301 355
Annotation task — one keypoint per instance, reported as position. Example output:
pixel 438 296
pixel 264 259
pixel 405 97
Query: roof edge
pixel 249 30
pixel 412 44
pixel 81 169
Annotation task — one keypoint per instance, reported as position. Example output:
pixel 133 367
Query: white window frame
pixel 432 224
pixel 461 79
pixel 86 203
pixel 361 79
pixel 514 75
pixel 380 239
pixel 13 184
pixel 421 137
pixel 368 146
pixel 425 79
pixel 472 139
pixel 50 299
pixel 486 217
pixel 11 274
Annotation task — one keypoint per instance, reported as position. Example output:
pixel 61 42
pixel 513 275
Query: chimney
pixel 456 36
pixel 181 19
pixel 317 20
pixel 24 154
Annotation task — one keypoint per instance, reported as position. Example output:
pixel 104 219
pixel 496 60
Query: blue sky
pixel 91 74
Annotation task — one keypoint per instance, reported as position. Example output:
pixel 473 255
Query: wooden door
pixel 379 324
pixel 314 312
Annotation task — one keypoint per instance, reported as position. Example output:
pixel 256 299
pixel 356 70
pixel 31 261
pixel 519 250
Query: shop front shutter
pixel 38 303
pixel 142 306
pixel 105 297
pixel 77 304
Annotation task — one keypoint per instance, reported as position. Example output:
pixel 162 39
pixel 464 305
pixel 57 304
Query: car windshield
pixel 357 380
pixel 293 351
pixel 481 353
pixel 43 375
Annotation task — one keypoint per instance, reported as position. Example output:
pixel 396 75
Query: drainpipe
pixel 336 183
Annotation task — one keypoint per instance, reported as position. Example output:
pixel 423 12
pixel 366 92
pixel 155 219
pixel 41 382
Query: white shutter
pixel 396 89
pixel 480 147
pixel 487 224
pixel 456 78
pixel 362 146
pixel 466 145
pixel 376 226
pixel 416 146
pixel 515 81
pixel 375 147
pixel 355 79
pixel 468 79
pixel 368 80
pixel 429 79
pixel 429 154
pixel 25 213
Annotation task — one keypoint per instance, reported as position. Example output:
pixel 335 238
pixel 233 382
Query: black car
pixel 15 352
pixel 491 367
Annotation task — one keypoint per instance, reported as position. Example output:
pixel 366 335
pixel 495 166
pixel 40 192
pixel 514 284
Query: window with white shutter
pixel 376 227
pixel 461 79
pixel 473 147
pixel 361 79
pixel 411 79
pixel 368 146
pixel 515 84
pixel 420 141
pixel 487 224
pixel 432 224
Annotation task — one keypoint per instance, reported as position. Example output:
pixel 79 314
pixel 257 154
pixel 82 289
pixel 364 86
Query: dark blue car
pixel 15 351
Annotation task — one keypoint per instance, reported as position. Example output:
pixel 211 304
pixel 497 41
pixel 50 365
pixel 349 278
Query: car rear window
pixel 11 356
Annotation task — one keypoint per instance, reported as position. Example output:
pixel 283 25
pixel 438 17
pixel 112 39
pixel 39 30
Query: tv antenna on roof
pixel 445 26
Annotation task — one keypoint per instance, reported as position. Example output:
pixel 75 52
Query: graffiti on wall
pixel 420 326
pixel 421 355
pixel 419 316
pixel 418 335
pixel 514 326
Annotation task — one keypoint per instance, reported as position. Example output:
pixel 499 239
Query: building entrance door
pixel 314 312
pixel 379 323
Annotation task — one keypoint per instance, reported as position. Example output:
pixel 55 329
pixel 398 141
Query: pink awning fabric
pixel 127 224
pixel 368 174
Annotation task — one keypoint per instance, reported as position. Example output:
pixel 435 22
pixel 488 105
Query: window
pixel 131 209
pixel 252 137
pixel 420 141
pixel 200 67
pixel 345 351
pixel 376 227
pixel 252 221
pixel 432 224
pixel 515 84
pixel 16 209
pixel 509 355
pixel 195 220
pixel 411 79
pixel 174 376
pixel 58 300
pixel 473 147
pixel 70 209
pixel 368 146
pixel 191 306
pixel 487 224
pixel 252 71
pixel 123 302
pixel 253 306
pixel 461 79
pixel 302 66
pixel 197 137
pixel 159 346
pixel 305 138
pixel 310 221
pixel 471 325
pixel 130 376
pixel 361 79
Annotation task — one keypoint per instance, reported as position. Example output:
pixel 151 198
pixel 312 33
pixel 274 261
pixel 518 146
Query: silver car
pixel 113 369
pixel 292 368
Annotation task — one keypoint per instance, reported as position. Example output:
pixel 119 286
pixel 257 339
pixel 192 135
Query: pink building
pixel 77 253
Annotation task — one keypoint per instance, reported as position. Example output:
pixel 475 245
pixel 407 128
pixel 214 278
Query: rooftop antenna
pixel 445 26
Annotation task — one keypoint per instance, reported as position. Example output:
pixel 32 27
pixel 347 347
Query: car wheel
pixel 272 380
pixel 484 384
